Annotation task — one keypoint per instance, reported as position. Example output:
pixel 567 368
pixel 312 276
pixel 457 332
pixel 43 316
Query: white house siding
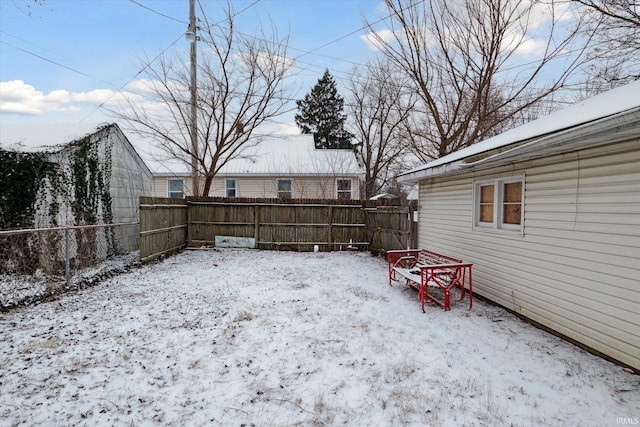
pixel 160 187
pixel 306 187
pixel 576 268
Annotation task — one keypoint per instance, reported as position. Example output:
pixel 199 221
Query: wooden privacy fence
pixel 169 224
pixel 390 227
pixel 163 226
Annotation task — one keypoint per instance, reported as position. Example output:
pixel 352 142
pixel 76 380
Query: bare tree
pixel 463 59
pixel 614 26
pixel 240 87
pixel 380 104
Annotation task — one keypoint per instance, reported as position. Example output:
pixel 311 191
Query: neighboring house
pixel 102 176
pixel 549 214
pixel 284 166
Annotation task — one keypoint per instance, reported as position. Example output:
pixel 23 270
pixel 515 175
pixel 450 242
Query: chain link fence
pixel 38 264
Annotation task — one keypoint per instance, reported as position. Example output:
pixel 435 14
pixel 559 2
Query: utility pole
pixel 192 34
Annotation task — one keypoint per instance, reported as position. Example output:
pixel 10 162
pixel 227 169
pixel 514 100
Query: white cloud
pixel 71 109
pixel 531 47
pixel 265 60
pixel 287 129
pixel 142 86
pixel 376 40
pixel 20 98
pixel 543 13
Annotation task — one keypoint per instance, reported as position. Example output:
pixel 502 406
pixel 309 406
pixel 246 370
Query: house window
pixel 344 189
pixel 231 187
pixel 498 204
pixel 176 188
pixel 486 203
pixel 285 189
pixel 512 203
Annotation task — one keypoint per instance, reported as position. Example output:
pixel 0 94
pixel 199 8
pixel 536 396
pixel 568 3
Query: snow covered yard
pixel 246 337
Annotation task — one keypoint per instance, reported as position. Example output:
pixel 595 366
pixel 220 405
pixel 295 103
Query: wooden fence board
pixel 163 226
pixel 169 224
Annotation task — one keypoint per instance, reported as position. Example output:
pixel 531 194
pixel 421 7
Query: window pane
pixel 511 213
pixel 285 188
pixel 175 185
pixel 486 194
pixel 344 189
pixel 486 213
pixel 513 192
pixel 284 185
pixel 176 188
pixel 512 209
pixel 231 187
pixel 344 185
pixel 486 203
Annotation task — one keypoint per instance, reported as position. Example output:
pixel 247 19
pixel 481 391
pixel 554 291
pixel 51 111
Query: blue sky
pixel 61 59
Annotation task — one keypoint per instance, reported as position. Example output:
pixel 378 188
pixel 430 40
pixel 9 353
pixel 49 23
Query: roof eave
pixel 620 126
pixel 414 177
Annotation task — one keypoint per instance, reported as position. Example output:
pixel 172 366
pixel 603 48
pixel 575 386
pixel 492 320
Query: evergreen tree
pixel 321 113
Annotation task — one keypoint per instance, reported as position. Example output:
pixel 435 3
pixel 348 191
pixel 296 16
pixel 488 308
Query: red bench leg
pixel 447 300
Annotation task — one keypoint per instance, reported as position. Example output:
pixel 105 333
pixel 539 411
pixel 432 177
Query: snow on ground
pixel 246 337
pixel 20 289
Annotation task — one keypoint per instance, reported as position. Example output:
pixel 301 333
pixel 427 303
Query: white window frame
pixel 170 193
pixel 497 223
pixel 290 180
pixel 227 188
pixel 338 191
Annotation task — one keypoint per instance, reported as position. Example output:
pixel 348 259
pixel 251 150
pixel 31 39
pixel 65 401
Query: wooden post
pixel 189 227
pixel 256 227
pixel 330 232
pixel 410 243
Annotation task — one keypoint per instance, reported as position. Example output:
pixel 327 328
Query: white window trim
pixel 278 189
pixel 226 186
pixel 497 225
pixel 350 187
pixel 169 187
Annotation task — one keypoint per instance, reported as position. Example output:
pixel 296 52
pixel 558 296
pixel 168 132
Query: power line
pixel 232 16
pixel 367 26
pixel 147 65
pixel 158 13
pixel 47 59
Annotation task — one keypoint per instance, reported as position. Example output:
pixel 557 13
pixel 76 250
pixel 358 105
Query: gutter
pixel 604 130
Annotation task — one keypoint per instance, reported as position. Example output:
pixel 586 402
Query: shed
pixel 106 162
pixel 549 214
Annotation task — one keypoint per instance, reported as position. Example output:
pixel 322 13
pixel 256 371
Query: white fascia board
pixel 609 129
pixel 615 102
pixel 415 176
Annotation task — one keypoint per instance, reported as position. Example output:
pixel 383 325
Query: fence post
pixel 189 227
pixel 330 232
pixel 256 229
pixel 67 273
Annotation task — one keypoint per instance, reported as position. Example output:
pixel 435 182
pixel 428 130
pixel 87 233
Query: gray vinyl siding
pixel 576 266
pixel 130 179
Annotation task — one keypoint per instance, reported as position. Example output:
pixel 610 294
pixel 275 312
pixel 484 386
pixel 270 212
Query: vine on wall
pixel 91 178
pixel 22 175
pixel 36 184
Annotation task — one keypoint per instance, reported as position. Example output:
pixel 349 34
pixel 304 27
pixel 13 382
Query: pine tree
pixel 321 113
